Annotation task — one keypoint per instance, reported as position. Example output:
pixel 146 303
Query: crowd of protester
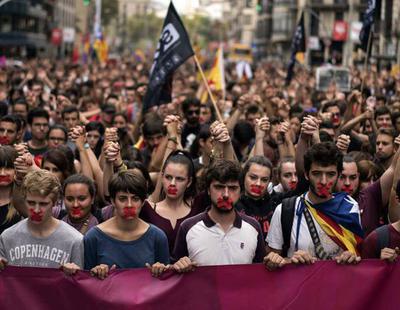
pixel 91 180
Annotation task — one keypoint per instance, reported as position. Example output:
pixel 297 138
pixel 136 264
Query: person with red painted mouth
pixel 287 176
pixel 170 207
pixel 318 217
pixel 349 181
pixel 10 129
pixel 79 193
pixel 125 240
pixel 52 243
pixel 8 214
pixel 255 200
pixel 220 235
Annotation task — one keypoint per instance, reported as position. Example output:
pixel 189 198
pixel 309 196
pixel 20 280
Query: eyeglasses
pixel 193 112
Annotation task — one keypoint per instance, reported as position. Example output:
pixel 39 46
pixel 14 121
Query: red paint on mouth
pixel 76 211
pixel 292 185
pixel 5 178
pixel 129 212
pixel 256 189
pixel 172 190
pixel 4 140
pixel 324 190
pixel 36 217
pixel 224 204
pixel 347 188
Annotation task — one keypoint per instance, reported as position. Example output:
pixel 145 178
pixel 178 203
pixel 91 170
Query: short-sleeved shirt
pixel 21 248
pixel 205 242
pixel 101 248
pixel 370 245
pixel 371 209
pixel 305 242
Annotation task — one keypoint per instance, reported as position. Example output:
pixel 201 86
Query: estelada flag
pixel 173 49
pixel 370 15
pixel 216 76
pixel 298 45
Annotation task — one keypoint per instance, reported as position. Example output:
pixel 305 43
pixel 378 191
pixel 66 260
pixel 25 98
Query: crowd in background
pixel 162 187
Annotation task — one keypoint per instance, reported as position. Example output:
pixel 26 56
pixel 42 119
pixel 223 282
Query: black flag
pixel 298 45
pixel 373 8
pixel 172 50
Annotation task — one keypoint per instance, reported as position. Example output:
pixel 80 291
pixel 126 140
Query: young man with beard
pixel 41 240
pixel 10 129
pixel 323 225
pixel 38 120
pixel 220 235
pixel 384 148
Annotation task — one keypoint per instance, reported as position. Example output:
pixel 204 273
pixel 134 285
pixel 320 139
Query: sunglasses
pixel 193 112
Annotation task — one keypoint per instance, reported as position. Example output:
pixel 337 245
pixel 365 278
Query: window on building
pixel 283 23
pixel 249 3
pixel 5 23
pixel 247 21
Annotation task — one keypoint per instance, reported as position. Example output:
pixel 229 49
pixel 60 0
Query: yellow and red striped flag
pixel 216 76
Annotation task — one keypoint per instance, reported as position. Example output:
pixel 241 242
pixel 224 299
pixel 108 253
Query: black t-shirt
pixel 189 134
pixel 261 210
pixel 6 224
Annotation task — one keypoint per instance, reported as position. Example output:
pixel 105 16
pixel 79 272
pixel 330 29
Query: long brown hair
pixel 7 157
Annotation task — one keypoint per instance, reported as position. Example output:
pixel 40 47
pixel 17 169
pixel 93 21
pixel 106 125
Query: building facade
pixel 25 28
pixel 242 21
pixel 332 28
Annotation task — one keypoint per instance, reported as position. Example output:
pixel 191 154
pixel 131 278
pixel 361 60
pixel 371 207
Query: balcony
pixel 338 5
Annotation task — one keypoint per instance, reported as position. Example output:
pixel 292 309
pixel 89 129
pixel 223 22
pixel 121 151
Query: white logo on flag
pixel 168 37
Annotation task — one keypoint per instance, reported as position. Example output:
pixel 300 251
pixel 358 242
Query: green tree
pixel 109 11
pixel 143 29
pixel 203 30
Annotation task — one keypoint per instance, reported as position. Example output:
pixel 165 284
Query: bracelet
pixel 214 154
pixel 173 139
pixel 120 165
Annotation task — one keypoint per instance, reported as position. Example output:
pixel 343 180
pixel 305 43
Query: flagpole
pixel 208 89
pixel 366 59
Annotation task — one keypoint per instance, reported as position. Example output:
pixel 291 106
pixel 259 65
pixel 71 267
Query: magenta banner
pixel 325 285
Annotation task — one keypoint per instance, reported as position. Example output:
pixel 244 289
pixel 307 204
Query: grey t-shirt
pixel 21 248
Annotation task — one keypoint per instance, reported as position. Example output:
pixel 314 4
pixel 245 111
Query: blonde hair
pixel 41 182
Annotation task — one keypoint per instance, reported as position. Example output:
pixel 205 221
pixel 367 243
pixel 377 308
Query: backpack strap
pixel 382 238
pixel 287 216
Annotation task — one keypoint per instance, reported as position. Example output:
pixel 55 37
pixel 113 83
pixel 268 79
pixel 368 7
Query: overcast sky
pixel 191 6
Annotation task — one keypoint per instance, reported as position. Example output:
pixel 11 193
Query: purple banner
pixel 325 285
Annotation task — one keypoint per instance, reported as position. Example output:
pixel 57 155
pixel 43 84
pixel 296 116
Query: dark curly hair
pixel 324 154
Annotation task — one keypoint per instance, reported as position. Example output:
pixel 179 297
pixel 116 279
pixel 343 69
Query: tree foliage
pixel 201 29
pixel 109 11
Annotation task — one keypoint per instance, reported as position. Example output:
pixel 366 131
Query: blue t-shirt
pixel 150 248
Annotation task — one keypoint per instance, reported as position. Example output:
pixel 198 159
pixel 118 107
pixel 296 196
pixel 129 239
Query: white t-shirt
pixel 275 236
